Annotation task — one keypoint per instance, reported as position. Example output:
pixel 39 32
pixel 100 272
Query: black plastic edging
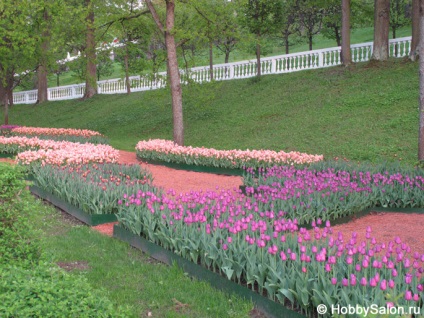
pixel 270 308
pixel 195 168
pixel 90 219
pixel 7 155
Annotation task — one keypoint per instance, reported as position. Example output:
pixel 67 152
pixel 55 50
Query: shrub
pixel 47 291
pixel 16 244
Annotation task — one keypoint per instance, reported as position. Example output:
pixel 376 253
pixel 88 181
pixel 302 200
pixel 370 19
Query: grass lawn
pixel 366 112
pixel 128 277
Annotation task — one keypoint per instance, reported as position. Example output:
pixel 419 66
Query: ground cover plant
pixel 30 286
pixel 269 252
pixel 94 188
pixel 315 112
pixel 168 151
pixel 57 134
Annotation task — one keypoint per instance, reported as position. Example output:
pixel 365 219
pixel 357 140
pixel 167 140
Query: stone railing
pixel 238 70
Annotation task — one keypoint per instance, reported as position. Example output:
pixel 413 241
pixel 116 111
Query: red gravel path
pixel 385 226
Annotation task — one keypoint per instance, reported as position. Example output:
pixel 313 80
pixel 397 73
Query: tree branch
pixel 155 15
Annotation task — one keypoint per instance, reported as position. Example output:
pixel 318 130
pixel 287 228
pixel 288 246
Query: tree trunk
pixel 337 34
pixel 174 74
pixel 57 80
pixel 211 59
pixel 90 52
pixel 415 29
pixel 227 56
pixel 258 57
pixel 173 70
pixel 346 55
pixel 127 75
pixel 421 75
pixel 381 30
pixel 5 89
pixel 310 42
pixel 42 67
pixel 286 43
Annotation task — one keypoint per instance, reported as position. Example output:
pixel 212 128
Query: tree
pixel 261 18
pixel 311 15
pixel 43 64
pixel 381 30
pixel 17 46
pixel 415 29
pixel 346 54
pixel 173 70
pixel 421 76
pixel 289 23
pixel 398 15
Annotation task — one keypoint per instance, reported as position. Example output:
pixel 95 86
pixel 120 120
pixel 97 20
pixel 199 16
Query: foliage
pixel 16 243
pixel 94 188
pixel 47 291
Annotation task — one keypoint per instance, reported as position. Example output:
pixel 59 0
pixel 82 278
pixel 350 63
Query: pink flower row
pixel 267 156
pixel 55 131
pixel 73 153
pixel 60 152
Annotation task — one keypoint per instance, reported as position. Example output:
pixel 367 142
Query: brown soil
pixel 385 226
pixel 69 266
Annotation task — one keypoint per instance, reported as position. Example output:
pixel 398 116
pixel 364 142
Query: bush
pixel 16 243
pixel 46 291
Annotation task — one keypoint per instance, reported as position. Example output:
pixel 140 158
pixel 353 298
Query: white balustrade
pixel 238 70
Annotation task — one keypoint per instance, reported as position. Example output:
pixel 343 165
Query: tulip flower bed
pixel 57 134
pixel 167 151
pixel 269 253
pixel 93 188
pixel 329 194
pixel 56 152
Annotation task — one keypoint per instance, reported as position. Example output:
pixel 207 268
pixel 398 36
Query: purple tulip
pixel 334 280
pixel 408 295
pixel 373 283
pixel 345 282
pixel 416 297
pixel 363 281
pixel 383 285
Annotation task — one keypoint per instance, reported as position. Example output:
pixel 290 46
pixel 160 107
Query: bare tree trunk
pixel 42 68
pixel 258 57
pixel 381 30
pixel 286 43
pixel 421 75
pixel 346 55
pixel 415 29
pixel 90 52
pixel 173 70
pixel 227 56
pixel 337 35
pixel 4 99
pixel 127 76
pixel 211 59
pixel 310 42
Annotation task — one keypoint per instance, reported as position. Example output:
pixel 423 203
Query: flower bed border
pixel 7 155
pixel 194 168
pixel 270 308
pixel 90 219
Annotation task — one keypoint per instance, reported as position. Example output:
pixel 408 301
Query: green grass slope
pixel 366 112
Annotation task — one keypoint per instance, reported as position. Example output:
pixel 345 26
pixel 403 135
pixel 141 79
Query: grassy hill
pixel 366 112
